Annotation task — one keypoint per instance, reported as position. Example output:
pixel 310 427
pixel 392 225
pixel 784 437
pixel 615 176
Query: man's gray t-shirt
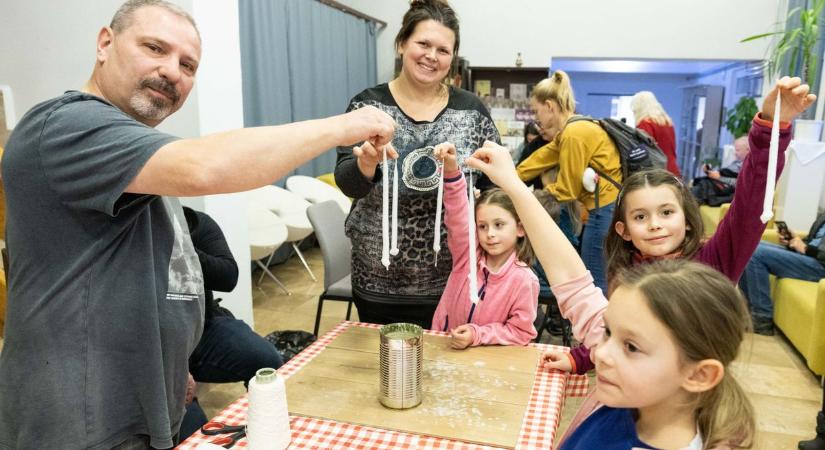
pixel 105 299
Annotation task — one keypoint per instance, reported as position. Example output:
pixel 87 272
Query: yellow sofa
pixel 711 215
pixel 799 306
pixel 799 311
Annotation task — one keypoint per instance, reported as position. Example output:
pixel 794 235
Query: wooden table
pixel 482 397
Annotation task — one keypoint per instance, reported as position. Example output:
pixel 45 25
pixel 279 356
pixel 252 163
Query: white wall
pixel 48 47
pixel 493 31
pixel 220 108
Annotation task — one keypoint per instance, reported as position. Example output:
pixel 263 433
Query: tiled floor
pixel 785 394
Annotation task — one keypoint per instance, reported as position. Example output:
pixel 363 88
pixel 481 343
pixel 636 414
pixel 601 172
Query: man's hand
pixel 367 124
pixel 462 337
pixel 713 174
pixel 557 360
pixel 797 245
pixel 795 99
pixel 191 387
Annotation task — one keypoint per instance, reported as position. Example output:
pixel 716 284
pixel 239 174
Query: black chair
pixel 552 314
pixel 327 219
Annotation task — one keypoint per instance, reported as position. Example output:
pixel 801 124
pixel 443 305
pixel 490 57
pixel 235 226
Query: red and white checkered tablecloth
pixel 537 431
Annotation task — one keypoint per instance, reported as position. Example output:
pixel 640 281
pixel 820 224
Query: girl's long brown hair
pixel 497 197
pixel 707 317
pixel 620 252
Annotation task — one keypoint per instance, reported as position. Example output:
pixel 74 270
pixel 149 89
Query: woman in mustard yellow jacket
pixel 574 147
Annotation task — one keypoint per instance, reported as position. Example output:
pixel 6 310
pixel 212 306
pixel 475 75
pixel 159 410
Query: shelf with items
pixel 506 93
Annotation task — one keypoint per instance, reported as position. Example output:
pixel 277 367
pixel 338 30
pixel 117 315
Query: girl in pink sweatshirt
pixel 662 346
pixel 507 287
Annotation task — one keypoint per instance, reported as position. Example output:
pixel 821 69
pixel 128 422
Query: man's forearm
pixel 244 159
pixel 237 160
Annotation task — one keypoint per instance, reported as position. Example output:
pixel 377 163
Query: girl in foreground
pixel 662 346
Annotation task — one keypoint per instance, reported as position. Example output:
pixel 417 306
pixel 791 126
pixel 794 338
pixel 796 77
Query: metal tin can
pixel 400 355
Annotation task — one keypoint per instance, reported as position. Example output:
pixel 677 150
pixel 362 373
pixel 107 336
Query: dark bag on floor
pixel 290 342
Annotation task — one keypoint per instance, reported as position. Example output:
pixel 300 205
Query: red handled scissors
pixel 236 433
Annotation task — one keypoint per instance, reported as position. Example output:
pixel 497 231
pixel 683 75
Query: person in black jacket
pixel 229 350
pixel 803 259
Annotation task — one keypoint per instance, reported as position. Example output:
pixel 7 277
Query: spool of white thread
pixel 267 426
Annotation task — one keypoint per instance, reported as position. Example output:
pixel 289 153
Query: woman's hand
pixel 446 152
pixel 495 161
pixel 557 360
pixel 795 99
pixel 369 157
pixel 462 337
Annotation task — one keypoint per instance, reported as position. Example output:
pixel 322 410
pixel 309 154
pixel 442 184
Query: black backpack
pixel 637 150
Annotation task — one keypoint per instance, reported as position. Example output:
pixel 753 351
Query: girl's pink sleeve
pixel 456 206
pixel 584 305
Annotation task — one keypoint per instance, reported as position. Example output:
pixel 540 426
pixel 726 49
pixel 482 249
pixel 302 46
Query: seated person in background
pixel 229 350
pixel 803 259
pixel 719 185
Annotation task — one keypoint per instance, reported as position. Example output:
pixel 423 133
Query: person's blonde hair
pixel 558 89
pixel 707 317
pixel 645 106
pixel 497 197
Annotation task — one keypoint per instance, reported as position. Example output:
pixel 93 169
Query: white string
pixel 439 204
pixel 770 184
pixel 385 225
pixel 394 248
pixel 471 234
pixel 267 425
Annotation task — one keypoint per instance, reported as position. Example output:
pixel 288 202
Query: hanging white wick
pixel 439 203
pixel 471 234
pixel 394 244
pixel 385 247
pixel 770 185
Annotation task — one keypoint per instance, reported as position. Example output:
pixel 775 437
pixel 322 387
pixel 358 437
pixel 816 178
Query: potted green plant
pixel 795 48
pixel 740 117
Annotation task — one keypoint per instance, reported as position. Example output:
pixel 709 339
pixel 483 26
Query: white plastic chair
pixel 266 233
pixel 292 210
pixel 316 191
